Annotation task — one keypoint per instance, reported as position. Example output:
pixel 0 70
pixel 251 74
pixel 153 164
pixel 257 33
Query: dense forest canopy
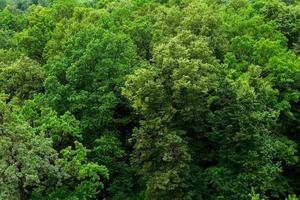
pixel 149 99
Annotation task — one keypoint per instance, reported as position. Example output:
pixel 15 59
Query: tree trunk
pixel 22 191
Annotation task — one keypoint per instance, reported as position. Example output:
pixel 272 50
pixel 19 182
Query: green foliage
pixel 63 129
pixel 149 99
pixel 287 17
pixel 87 174
pixel 27 158
pixel 165 95
pixel 22 78
pixel 86 81
pixel 3 4
pixel 7 39
pixel 25 4
pixel 32 40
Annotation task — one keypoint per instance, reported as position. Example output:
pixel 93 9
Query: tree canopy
pixel 149 99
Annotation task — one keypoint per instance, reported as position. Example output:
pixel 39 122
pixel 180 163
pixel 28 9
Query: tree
pixel 22 78
pixel 266 45
pixel 7 39
pixel 200 117
pixel 27 159
pixel 84 176
pixel 10 18
pixel 287 17
pixel 86 81
pixel 149 99
pixel 164 94
pixel 63 129
pixel 32 39
pixel 85 69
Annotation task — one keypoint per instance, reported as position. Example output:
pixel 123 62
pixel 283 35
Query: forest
pixel 149 99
